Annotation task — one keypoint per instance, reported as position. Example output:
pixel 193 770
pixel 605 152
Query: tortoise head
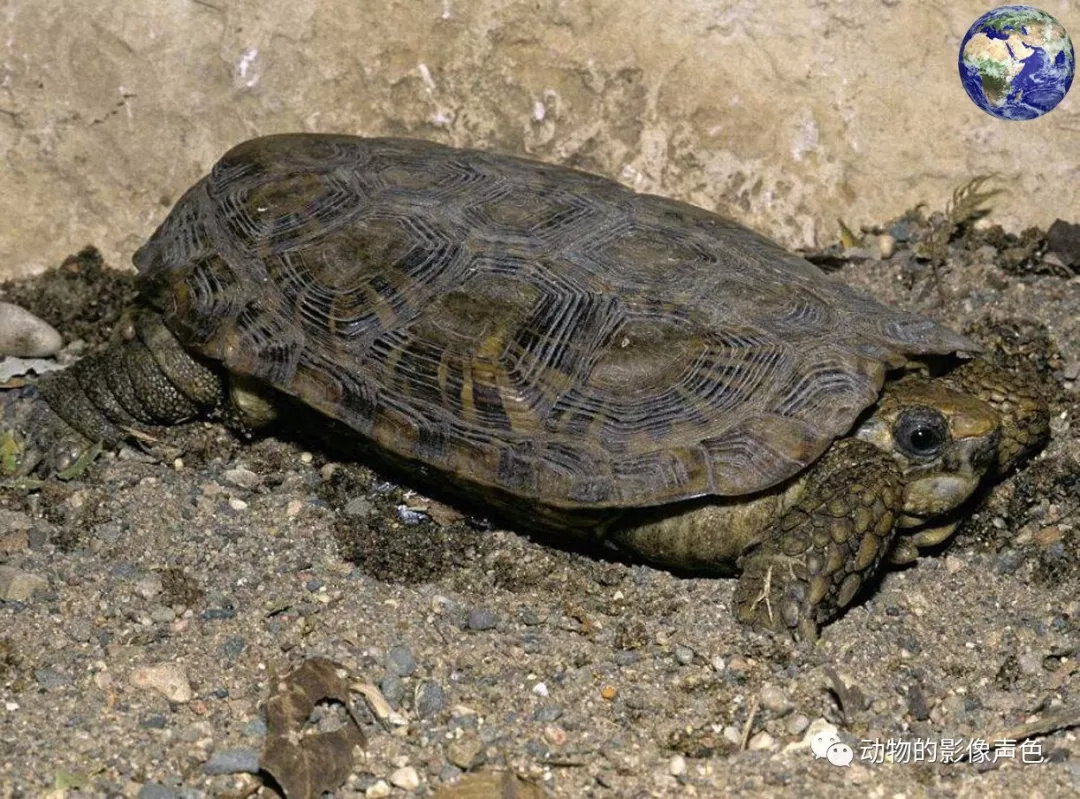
pixel 949 433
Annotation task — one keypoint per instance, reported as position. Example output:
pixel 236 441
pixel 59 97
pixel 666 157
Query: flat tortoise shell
pixel 520 325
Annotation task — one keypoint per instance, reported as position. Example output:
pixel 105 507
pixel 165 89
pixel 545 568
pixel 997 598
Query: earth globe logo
pixel 1016 62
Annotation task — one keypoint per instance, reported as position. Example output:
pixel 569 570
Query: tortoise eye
pixel 921 432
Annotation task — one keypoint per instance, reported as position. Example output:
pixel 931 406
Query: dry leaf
pixel 306 765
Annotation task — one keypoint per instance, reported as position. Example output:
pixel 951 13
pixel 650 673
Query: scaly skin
pixel 825 548
pixel 810 546
pixel 147 380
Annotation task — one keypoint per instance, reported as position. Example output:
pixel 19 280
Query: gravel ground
pixel 151 603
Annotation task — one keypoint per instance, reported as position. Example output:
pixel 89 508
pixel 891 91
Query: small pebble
pixel 464 752
pixel 761 741
pixel 358 507
pixel 406 778
pixel 481 619
pixel 677 766
pixel 306 457
pixel 17 585
pixel 237 504
pixel 218 614
pixel 547 713
pixel 537 750
pixel 242 478
pixel 797 725
pixel 378 790
pixel 774 700
pixel 1063 239
pixel 148 586
pixel 378 704
pixel 738 665
pixel 393 689
pixel 684 654
pixel 24 335
pixel 449 773
pixel 400 661
pixel 554 734
pixel 233 761
pixel 168 679
pixel 81 630
pixel 429 699
pixel 886 246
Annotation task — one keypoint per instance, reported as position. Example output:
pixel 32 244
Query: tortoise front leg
pixel 812 563
pixel 145 379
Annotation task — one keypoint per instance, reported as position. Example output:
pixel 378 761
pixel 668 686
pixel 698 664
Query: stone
pixel 24 335
pixel 430 698
pixel 405 778
pixel 17 585
pixel 167 679
pixel 481 619
pixel 379 789
pixel 1063 239
pixel 233 761
pixel 242 478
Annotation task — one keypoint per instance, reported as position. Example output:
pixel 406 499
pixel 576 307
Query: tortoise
pixel 590 360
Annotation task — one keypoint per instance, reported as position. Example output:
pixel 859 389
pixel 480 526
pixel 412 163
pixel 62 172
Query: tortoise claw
pixel 771 596
pixel 821 553
pixel 49 446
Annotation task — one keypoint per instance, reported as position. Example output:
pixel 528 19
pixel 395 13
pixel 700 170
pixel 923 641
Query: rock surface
pixel 781 113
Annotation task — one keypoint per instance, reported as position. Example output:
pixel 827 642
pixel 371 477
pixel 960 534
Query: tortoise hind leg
pixel 812 563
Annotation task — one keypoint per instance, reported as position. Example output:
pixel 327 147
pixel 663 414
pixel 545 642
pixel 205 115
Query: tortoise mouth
pixel 930 496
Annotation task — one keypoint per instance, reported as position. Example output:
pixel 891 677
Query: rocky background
pixel 784 114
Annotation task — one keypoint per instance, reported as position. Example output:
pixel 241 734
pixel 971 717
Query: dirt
pixel 171 589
